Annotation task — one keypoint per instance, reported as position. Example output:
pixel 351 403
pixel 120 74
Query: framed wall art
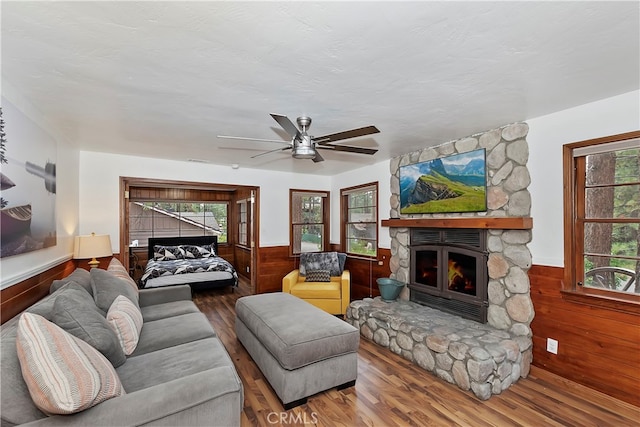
pixel 456 183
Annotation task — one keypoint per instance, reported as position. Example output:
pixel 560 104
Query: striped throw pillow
pixel 126 321
pixel 117 269
pixel 64 374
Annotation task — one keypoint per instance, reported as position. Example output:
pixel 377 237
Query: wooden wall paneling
pixel 599 348
pixel 243 261
pixel 16 298
pixel 273 264
pixel 364 273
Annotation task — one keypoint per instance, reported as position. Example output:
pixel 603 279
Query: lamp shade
pixel 92 246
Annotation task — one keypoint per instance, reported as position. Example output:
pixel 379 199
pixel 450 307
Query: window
pixel 360 219
pixel 167 219
pixel 309 213
pixel 602 208
pixel 242 223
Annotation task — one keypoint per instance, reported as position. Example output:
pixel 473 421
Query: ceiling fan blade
pixel 353 133
pixel 348 149
pixel 253 139
pixel 286 124
pixel 271 151
pixel 318 158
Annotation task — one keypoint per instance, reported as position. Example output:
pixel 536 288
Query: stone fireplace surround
pixel 484 358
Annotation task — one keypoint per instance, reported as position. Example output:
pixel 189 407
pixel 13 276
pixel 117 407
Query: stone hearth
pixel 471 355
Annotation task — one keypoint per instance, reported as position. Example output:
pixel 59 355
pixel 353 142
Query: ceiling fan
pixel 303 145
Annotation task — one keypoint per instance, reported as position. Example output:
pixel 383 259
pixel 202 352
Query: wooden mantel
pixel 504 223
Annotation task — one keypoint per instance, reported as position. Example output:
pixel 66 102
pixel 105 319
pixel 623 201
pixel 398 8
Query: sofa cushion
pixel 318 276
pixel 79 275
pixel 172 331
pixel 168 309
pixel 16 405
pixel 319 261
pixel 64 374
pixel 126 321
pixel 117 269
pixel 157 367
pixel 106 287
pixel 75 312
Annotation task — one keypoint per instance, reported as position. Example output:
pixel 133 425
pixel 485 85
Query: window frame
pixel 344 216
pixel 243 223
pixel 325 195
pixel 574 190
pixel 178 203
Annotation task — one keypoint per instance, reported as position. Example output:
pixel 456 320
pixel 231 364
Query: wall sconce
pixel 92 246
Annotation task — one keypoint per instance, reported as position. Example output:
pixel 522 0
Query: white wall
pixel 547 135
pixel 22 119
pixel 377 172
pixel 100 179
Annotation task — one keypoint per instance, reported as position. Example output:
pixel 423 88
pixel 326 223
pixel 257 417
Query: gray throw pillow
pixel 106 287
pixel 75 312
pixel 80 276
pixel 319 261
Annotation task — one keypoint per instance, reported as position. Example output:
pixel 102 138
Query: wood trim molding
pixel 504 223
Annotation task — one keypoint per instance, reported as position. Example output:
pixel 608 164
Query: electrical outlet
pixel 247 268
pixel 552 346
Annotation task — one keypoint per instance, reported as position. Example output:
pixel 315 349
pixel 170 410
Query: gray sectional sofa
pixel 179 374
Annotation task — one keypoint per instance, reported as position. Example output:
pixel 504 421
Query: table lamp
pixel 92 246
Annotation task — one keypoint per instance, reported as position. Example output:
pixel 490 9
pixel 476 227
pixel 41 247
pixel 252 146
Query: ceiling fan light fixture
pixel 303 148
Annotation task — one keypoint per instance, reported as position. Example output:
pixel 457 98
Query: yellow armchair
pixel 333 296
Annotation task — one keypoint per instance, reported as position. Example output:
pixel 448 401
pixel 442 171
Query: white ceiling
pixel 163 79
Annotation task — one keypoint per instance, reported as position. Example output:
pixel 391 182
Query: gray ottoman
pixel 300 349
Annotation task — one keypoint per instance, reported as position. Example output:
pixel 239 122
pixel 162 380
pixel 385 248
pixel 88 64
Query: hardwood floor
pixel 391 391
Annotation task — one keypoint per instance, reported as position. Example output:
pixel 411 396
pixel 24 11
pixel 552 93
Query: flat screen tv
pixel 456 183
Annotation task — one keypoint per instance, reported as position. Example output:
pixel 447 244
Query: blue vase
pixel 389 288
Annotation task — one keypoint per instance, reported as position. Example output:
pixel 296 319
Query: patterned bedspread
pixel 184 266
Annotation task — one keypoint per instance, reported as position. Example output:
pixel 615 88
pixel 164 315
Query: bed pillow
pixel 117 269
pixel 194 251
pixel 79 275
pixel 64 374
pixel 106 287
pixel 319 261
pixel 126 321
pixel 167 253
pixel 75 312
pixel 318 276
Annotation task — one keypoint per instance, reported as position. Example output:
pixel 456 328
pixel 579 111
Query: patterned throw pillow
pixel 64 374
pixel 193 251
pixel 318 276
pixel 310 261
pixel 126 321
pixel 167 253
pixel 117 269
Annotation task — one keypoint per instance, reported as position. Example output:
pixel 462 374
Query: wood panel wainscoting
pixel 598 348
pixel 275 262
pixel 23 294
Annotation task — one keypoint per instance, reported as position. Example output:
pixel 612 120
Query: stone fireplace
pixel 485 358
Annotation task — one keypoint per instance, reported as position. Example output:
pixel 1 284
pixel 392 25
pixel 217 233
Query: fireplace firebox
pixel 448 270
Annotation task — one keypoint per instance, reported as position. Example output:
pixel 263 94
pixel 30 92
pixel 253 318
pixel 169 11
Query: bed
pixel 187 260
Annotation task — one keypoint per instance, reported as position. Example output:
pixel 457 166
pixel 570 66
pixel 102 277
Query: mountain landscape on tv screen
pixel 452 184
